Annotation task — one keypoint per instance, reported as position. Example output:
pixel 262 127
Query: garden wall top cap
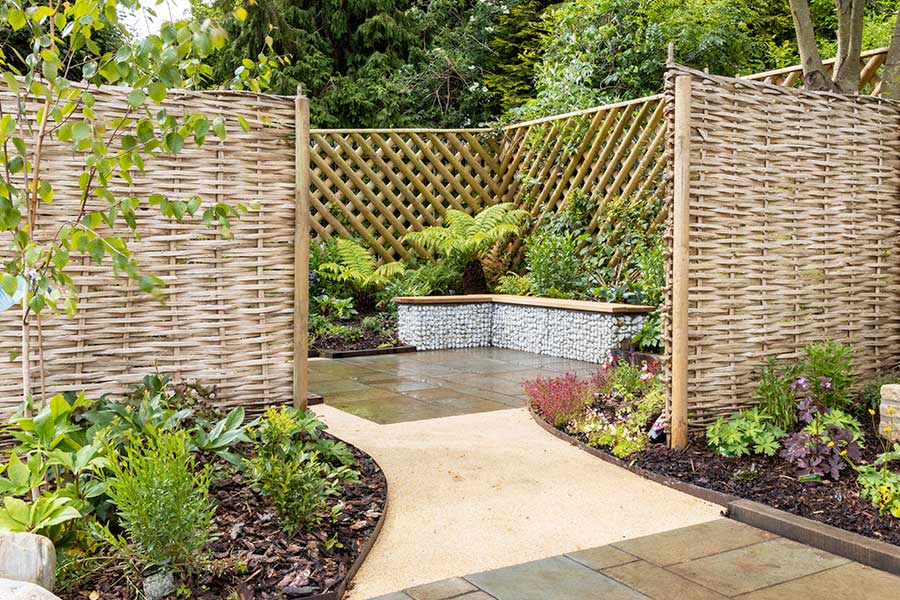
pixel 582 305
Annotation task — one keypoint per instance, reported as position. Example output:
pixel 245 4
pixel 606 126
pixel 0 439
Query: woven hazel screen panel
pixel 379 185
pixel 794 211
pixel 228 304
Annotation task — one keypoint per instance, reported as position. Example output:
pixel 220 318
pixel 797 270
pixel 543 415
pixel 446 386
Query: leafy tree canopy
pixel 458 63
pixel 15 44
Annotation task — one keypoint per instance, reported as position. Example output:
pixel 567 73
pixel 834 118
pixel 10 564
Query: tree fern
pixel 359 269
pixel 467 238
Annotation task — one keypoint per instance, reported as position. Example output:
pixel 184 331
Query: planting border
pixel 364 550
pixel 848 544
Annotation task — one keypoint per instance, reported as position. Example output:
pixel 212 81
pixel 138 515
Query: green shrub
pixel 439 277
pixel 299 485
pixel 372 324
pixel 334 308
pixel 554 265
pixel 514 284
pixel 320 253
pixel 775 395
pixel 745 433
pixel 298 471
pixel 575 216
pixel 829 368
pixel 869 396
pixel 162 499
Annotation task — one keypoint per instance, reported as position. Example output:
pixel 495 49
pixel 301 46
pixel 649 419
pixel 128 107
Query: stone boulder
pixel 27 557
pixel 890 412
pixel 22 590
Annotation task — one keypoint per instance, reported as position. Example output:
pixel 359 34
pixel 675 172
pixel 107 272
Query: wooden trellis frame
pixel 378 185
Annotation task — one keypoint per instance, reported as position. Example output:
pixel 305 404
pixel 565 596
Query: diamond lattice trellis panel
pixel 379 185
pixel 612 152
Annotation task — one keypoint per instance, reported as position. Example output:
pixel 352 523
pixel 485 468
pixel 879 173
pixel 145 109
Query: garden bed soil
pixel 775 484
pixel 368 340
pixel 253 559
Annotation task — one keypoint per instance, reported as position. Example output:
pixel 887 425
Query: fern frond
pixel 356 258
pixel 431 238
pixel 459 222
pixel 390 270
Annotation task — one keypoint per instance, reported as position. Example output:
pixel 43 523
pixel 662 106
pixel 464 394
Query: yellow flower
pixel 890 410
pixel 888 429
pixel 831 444
pixel 843 453
pixel 871 411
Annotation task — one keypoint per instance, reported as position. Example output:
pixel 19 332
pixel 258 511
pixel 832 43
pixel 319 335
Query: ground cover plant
pixel 615 408
pixel 160 485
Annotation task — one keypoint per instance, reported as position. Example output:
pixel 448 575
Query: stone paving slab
pixel 721 560
pixel 680 545
pixel 753 567
pixel 555 578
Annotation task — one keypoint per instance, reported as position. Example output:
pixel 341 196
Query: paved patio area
pixel 395 388
pixel 716 560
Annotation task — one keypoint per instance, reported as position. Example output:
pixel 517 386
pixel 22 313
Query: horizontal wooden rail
pixel 580 305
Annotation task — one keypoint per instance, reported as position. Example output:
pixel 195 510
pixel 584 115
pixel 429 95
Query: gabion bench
pixel 574 329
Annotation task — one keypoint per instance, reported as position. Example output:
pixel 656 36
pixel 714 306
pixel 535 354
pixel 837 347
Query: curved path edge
pixel 364 550
pixel 857 547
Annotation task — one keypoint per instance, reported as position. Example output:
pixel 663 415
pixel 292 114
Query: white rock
pixel 27 557
pixel 23 590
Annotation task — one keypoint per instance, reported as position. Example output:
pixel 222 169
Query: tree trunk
pixel 813 70
pixel 890 76
pixel 26 359
pixel 849 35
pixel 473 280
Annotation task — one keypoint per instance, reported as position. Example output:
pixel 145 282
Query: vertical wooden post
pixel 680 259
pixel 301 249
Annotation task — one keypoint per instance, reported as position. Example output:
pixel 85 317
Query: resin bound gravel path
pixel 481 491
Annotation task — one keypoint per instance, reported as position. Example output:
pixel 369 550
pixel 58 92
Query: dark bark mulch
pixel 253 559
pixel 773 481
pixel 367 340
